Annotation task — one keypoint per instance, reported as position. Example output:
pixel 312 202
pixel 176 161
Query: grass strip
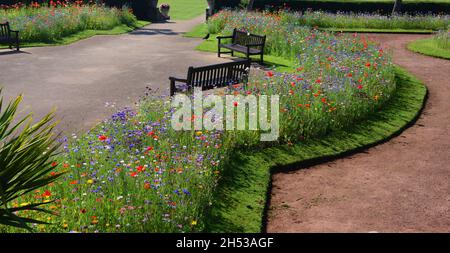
pixel 121 29
pixel 372 30
pixel 428 47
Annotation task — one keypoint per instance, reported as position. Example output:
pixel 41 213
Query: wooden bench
pixel 243 42
pixel 6 36
pixel 212 76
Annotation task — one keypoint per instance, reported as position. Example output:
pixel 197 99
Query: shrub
pixel 26 159
pixel 47 24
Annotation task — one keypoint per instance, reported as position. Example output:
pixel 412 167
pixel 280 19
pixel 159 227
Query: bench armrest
pixel 219 38
pixel 16 32
pixel 173 88
pixel 175 79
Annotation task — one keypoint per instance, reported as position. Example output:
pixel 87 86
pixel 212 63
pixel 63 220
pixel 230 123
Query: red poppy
pixel 133 174
pixel 83 210
pixel 54 164
pixel 149 148
pixel 102 138
pixel 47 193
pixel 368 64
pixel 147 185
pixel 318 81
pixel 292 84
pixel 74 182
pixel 269 73
pixel 140 168
pixel 360 87
pixel 324 100
pixel 66 165
pixel 350 75
pixel 235 103
pixel 150 133
pixel 299 68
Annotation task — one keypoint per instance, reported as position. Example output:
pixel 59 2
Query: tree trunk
pixel 397 7
pixel 250 5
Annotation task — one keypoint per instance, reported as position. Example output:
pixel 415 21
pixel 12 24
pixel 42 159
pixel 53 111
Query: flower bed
pixel 47 24
pixel 349 20
pixel 134 173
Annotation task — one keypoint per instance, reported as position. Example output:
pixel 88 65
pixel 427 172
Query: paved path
pixel 78 79
pixel 400 186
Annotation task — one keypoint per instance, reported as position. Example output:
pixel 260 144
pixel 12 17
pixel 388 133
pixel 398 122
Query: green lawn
pixel 185 9
pixel 241 199
pixel 210 45
pixel 429 47
pixel 83 35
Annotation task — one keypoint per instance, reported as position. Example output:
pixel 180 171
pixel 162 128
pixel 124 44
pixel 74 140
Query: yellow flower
pixel 46 200
pixel 198 133
pixel 90 181
pixel 25 204
pixel 194 222
pixel 65 225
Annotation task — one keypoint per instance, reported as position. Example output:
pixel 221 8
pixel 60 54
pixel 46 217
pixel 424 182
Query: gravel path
pixel 400 186
pixel 78 79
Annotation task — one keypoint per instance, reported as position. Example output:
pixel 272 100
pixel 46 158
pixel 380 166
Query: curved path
pixel 400 186
pixel 78 79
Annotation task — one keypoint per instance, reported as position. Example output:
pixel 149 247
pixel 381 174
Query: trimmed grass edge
pixel 120 29
pixel 427 47
pixel 376 30
pixel 242 198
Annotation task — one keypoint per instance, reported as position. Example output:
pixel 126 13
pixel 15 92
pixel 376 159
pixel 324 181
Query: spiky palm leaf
pixel 26 153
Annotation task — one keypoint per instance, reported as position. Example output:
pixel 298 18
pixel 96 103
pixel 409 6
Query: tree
pixel 397 7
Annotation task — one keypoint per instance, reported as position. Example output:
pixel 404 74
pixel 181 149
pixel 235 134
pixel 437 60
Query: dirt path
pixel 78 79
pixel 400 186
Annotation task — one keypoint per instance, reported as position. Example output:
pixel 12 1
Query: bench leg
pixel 172 87
pixel 262 58
pixel 232 53
pixel 17 44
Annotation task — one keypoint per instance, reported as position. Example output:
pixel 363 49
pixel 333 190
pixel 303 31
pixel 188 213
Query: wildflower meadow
pixel 134 173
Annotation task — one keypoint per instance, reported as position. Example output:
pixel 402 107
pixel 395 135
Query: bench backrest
pixel 4 30
pixel 244 38
pixel 218 75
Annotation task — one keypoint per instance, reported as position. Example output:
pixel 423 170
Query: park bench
pixel 6 36
pixel 243 42
pixel 212 76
